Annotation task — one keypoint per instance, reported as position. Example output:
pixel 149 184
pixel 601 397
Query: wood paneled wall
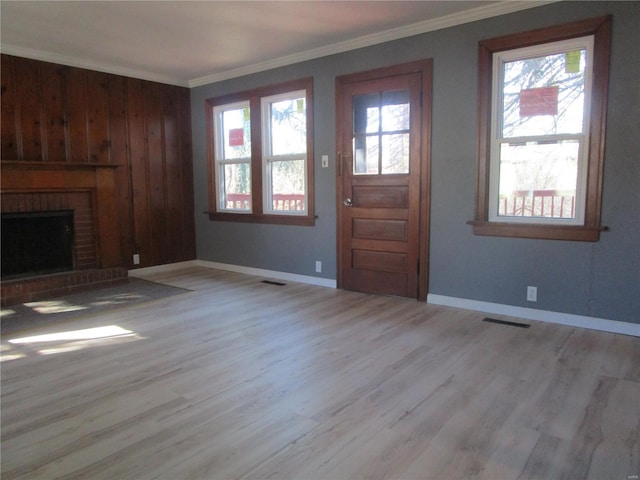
pixel 55 113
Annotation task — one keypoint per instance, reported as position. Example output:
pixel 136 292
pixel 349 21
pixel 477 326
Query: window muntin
pixel 232 133
pixel 284 126
pixel 539 148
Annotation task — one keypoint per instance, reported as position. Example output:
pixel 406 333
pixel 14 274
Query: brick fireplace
pixel 87 190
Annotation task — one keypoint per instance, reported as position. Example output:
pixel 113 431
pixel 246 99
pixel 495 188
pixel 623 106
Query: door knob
pixel 347 202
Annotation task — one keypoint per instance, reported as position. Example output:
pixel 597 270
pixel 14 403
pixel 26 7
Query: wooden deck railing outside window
pixel 539 203
pixel 242 201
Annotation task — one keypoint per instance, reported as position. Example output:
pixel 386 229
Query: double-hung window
pixel 261 155
pixel 541 120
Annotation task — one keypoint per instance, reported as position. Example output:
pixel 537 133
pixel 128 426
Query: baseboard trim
pixel 593 323
pixel 258 272
pixel 167 267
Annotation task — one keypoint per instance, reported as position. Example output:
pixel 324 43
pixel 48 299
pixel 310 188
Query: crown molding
pixel 89 65
pixel 468 16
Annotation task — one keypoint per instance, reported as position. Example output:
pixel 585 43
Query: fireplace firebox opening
pixel 36 243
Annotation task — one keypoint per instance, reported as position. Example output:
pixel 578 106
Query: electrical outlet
pixel 325 161
pixel 136 259
pixel 532 294
pixel 318 266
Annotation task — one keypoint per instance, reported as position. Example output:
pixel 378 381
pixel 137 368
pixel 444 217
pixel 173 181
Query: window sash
pixel 221 162
pixel 497 139
pixel 223 195
pixel 269 159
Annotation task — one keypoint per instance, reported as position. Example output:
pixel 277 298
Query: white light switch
pixel 325 161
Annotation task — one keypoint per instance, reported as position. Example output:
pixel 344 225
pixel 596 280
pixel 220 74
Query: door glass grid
pixel 381 133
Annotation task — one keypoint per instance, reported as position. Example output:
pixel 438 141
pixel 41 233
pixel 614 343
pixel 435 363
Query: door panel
pixel 380 200
pixel 382 261
pixel 380 196
pixel 372 228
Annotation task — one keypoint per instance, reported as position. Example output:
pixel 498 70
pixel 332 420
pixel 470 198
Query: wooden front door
pixel 383 121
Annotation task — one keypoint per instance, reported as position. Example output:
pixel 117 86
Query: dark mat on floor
pixel 29 315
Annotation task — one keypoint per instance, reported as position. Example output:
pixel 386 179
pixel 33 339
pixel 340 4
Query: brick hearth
pixel 30 289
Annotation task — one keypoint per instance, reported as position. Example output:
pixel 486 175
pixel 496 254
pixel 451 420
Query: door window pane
pixel 366 113
pixel 395 111
pixel 395 153
pixel 366 153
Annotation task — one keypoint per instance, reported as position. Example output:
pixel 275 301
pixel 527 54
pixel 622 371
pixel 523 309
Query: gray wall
pixel 594 279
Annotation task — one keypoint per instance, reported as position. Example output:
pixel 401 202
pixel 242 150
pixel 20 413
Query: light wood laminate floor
pixel 242 379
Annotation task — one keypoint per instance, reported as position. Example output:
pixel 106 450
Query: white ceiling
pixel 192 43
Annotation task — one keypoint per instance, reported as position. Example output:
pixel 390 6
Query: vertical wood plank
pixel 155 168
pixel 52 104
pixel 8 124
pixel 29 100
pixel 97 117
pixel 174 183
pixel 138 171
pixel 120 156
pixel 107 220
pixel 75 104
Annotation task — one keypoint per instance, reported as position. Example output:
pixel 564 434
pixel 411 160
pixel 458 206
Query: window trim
pixel 600 28
pixel 258 213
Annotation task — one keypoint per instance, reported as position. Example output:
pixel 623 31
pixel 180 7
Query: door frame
pixel 425 68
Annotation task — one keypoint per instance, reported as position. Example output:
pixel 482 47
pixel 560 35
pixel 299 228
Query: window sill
pixel 544 232
pixel 304 221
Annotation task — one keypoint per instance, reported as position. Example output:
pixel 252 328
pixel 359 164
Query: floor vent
pixel 271 282
pixel 504 322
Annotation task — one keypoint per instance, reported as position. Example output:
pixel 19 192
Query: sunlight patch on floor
pixel 54 306
pixel 69 341
pixel 7 352
pixel 85 334
pixel 49 307
pixel 117 299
